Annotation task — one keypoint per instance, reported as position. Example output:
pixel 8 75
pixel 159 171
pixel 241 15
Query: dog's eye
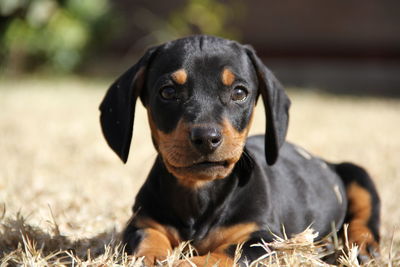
pixel 168 93
pixel 239 94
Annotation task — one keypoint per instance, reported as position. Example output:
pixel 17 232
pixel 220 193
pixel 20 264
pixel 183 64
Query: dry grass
pixel 64 196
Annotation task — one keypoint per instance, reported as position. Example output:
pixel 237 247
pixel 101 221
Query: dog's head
pixel 199 93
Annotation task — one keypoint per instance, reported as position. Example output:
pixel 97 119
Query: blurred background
pixel 341 46
pixel 339 60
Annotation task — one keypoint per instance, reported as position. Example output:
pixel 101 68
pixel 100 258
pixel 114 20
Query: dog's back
pixel 304 190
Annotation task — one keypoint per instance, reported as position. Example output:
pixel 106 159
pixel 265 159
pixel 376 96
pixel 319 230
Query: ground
pixel 62 188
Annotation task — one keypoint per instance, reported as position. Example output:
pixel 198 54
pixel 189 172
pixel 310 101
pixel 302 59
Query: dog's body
pixel 209 185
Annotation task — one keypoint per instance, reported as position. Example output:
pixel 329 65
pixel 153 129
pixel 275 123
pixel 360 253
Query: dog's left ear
pixel 276 104
pixel 118 106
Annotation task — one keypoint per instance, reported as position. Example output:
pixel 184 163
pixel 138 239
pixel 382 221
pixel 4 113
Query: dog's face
pixel 200 105
pixel 200 93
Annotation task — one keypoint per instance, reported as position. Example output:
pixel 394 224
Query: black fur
pixel 275 184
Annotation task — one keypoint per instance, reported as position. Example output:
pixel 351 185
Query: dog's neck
pixel 194 201
pixel 194 210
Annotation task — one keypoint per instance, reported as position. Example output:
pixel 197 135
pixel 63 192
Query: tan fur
pixel 158 241
pixel 155 246
pixel 169 232
pixel 360 209
pixel 227 77
pixel 179 76
pixel 212 249
pixel 221 238
pixel 209 260
pixel 179 155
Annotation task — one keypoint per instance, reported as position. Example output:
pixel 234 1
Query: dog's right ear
pixel 117 110
pixel 276 104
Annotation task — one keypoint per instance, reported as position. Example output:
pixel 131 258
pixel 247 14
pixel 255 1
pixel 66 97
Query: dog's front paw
pixel 150 260
pixel 193 262
pixel 206 261
pixel 183 263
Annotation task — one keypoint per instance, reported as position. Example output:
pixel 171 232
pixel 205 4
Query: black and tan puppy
pixel 212 185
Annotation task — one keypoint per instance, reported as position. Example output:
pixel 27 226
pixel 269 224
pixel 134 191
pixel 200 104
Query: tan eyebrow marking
pixel 227 77
pixel 179 76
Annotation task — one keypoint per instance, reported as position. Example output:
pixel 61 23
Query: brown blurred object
pixel 341 46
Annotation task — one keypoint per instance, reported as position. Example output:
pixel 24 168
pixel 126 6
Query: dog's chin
pixel 200 173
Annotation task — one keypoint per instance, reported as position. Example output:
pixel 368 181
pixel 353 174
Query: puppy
pixel 210 184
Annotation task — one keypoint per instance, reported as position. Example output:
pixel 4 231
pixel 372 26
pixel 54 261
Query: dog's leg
pixel 363 212
pixel 218 257
pixel 154 247
pixel 212 259
pixel 220 246
pixel 149 239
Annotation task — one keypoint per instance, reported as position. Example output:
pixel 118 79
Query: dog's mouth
pixel 210 164
pixel 204 165
pixel 203 170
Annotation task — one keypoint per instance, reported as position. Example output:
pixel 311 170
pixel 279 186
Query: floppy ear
pixel 276 104
pixel 117 110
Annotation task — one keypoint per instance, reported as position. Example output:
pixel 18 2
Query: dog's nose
pixel 206 139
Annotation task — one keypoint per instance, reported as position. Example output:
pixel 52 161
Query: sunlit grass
pixel 64 195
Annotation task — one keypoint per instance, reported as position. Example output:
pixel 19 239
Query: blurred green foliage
pixel 207 17
pixel 57 35
pixel 52 34
pixel 211 17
